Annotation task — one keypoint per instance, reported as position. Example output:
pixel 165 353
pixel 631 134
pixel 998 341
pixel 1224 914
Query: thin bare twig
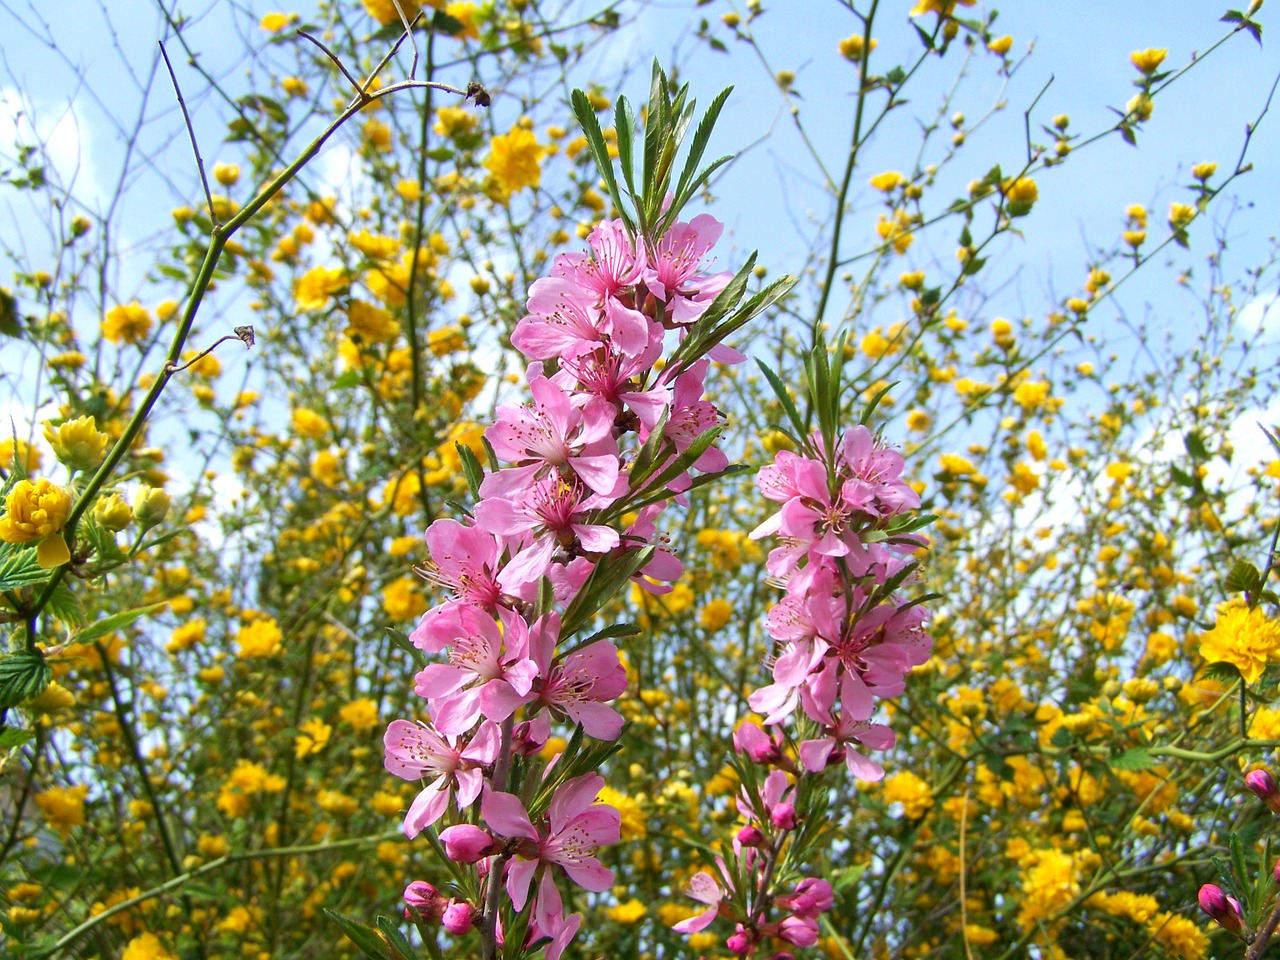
pixel 242 334
pixel 413 66
pixel 186 119
pixel 408 32
pixel 360 91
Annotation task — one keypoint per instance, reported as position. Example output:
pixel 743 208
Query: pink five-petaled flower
pixel 703 888
pixel 463 560
pixel 672 276
pixel 488 672
pixel 576 827
pixel 843 734
pixel 553 433
pixel 551 513
pixel 578 685
pixel 414 749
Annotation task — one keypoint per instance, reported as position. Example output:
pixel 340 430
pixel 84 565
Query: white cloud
pixel 63 136
pixel 1260 315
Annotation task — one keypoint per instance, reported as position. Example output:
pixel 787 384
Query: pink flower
pixel 1224 910
pixel 553 433
pixel 552 514
pixel 577 685
pixel 576 827
pixel 414 750
pixel 464 560
pixel 488 672
pixel 672 273
pixel 703 888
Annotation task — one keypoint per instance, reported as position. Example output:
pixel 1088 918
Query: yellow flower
pixel 384 11
pixel 402 600
pixel 78 443
pixel 716 614
pixel 884 182
pixel 361 714
pixel 1243 637
pixel 35 512
pixel 127 323
pixel 1021 193
pixel 370 324
pixel 14 450
pixel 1139 107
pixel 1180 936
pixel 313 738
pixel 294 86
pixel 915 795
pixel 1203 171
pixel 626 913
pixel 227 174
pixel 274 22
pixel 1180 215
pixel 1000 45
pixel 63 807
pixel 375 246
pixel 854 47
pixel 1149 60
pixel 308 423
pixel 187 635
pixel 513 160
pixel 262 638
pixel 317 286
pixel 146 946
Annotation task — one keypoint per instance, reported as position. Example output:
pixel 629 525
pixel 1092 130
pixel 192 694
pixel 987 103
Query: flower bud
pixel 801 931
pixel 78 443
pixel 458 917
pixel 750 837
pixel 1224 910
pixel 112 513
pixel 755 743
pixel 150 506
pixel 1261 783
pixel 467 843
pixel 423 902
pixel 739 943
pixel 783 816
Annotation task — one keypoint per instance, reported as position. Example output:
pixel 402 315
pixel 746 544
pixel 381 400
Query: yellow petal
pixel 53 551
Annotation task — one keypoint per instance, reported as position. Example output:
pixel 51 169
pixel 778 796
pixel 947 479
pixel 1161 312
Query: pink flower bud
pixel 1224 910
pixel 739 943
pixel 783 955
pixel 467 843
pixel 756 744
pixel 813 895
pixel 1275 872
pixel 422 901
pixel 783 816
pixel 458 917
pixel 750 837
pixel 1264 786
pixel 801 931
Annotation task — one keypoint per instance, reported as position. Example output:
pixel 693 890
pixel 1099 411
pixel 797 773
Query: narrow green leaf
pixel 784 397
pixel 113 623
pixel 471 469
pixel 624 122
pixel 399 946
pixel 604 582
pixel 586 117
pixel 365 937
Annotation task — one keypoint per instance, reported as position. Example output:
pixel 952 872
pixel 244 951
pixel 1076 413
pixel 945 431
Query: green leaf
pixel 471 469
pixel 1243 578
pixel 23 674
pixel 1137 758
pixel 19 568
pixel 66 606
pixel 11 737
pixel 605 581
pixel 1195 445
pixel 346 380
pixel 365 937
pixel 590 124
pixel 399 946
pixel 113 623
pixel 784 397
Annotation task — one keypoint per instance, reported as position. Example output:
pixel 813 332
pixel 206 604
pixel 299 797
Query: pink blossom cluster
pixel 595 329
pixel 845 638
